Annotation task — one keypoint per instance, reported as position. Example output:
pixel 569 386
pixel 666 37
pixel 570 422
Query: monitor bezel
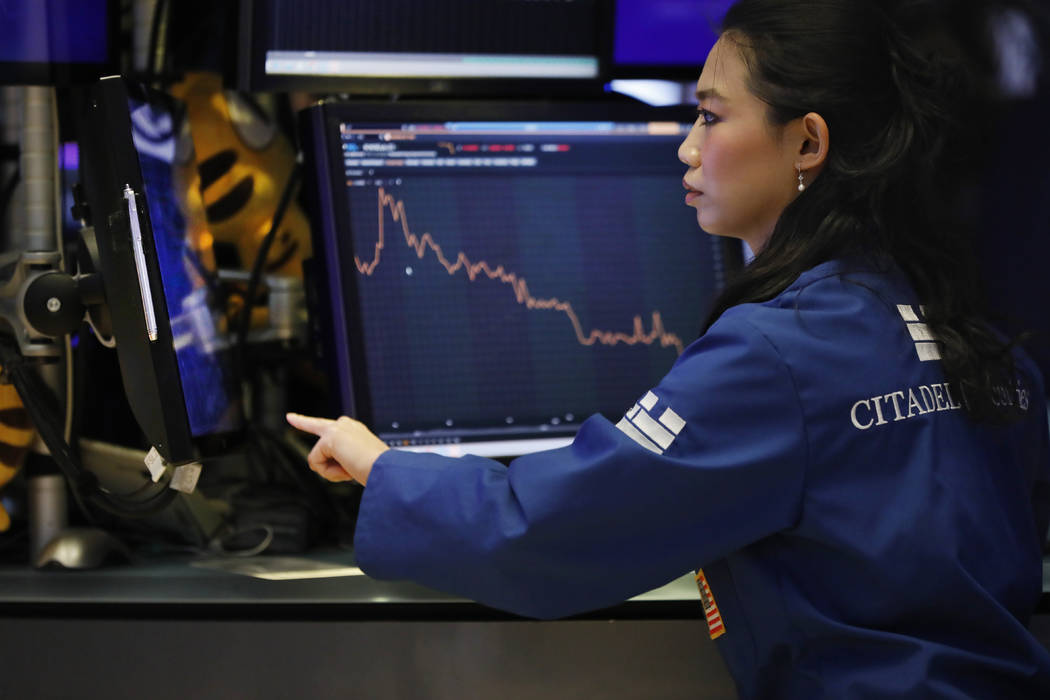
pixel 149 369
pixel 335 290
pixel 252 77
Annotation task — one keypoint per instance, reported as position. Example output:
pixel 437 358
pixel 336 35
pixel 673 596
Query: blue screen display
pixel 54 31
pixel 201 352
pixel 677 33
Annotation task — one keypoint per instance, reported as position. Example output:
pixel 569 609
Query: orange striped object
pixel 714 618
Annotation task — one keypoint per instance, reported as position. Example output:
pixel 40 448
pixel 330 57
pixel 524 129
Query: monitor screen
pixel 417 45
pixel 175 362
pixel 664 38
pixel 56 42
pixel 496 273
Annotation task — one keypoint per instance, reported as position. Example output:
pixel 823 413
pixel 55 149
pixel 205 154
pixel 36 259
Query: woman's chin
pixel 708 226
pixel 704 222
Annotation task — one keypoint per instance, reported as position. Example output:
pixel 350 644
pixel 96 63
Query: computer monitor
pixel 57 42
pixel 174 362
pixel 667 39
pixel 495 272
pixel 420 46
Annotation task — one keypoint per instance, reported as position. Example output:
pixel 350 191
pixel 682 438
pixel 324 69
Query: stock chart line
pixel 421 244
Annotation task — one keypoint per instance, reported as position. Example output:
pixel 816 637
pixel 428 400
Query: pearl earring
pixel 801 184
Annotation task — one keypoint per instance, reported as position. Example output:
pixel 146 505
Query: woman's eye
pixel 706 117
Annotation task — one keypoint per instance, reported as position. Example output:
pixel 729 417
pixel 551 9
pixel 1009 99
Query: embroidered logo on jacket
pixel 925 342
pixel 654 434
pixel 715 626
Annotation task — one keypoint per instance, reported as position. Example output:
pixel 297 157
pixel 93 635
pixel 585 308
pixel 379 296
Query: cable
pixel 218 544
pixel 160 11
pixel 260 261
pixel 209 277
pixel 67 431
pixel 293 464
pixel 60 246
pixel 42 407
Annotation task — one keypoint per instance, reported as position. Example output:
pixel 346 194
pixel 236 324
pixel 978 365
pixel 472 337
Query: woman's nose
pixel 689 154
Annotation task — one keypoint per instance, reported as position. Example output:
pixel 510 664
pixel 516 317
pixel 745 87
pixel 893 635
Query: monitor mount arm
pixel 40 302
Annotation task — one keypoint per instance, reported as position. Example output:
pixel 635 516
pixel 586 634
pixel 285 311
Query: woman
pixel 858 466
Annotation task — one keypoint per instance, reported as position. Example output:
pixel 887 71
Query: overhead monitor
pixel 57 42
pixel 420 46
pixel 135 150
pixel 495 272
pixel 667 39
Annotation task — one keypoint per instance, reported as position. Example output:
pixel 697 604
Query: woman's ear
pixel 814 149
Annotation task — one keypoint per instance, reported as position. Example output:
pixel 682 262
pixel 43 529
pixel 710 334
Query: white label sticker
pixel 155 463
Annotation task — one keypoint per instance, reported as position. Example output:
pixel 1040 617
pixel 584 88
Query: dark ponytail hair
pixel 898 94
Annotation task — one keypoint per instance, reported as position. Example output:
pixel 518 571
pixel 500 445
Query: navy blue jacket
pixel 856 534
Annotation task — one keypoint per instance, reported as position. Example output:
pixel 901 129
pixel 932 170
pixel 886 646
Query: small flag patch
pixel 714 618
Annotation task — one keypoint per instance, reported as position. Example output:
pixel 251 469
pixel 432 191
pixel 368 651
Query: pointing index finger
pixel 309 424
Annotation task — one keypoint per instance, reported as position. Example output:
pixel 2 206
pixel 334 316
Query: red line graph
pixel 424 243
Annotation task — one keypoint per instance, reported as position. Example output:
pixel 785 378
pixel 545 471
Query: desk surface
pixel 177 586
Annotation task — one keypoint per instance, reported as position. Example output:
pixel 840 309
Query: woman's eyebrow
pixel 709 94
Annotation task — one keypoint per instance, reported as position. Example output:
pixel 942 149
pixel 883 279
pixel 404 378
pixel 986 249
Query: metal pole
pixel 39 163
pixel 39 169
pixel 47 511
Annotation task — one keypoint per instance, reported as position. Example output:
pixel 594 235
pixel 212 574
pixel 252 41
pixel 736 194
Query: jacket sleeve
pixel 710 460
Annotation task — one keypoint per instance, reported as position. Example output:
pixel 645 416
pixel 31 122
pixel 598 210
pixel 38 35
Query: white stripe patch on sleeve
pixel 920 332
pixel 928 351
pixel 673 421
pixel 653 430
pixel 925 341
pixel 907 313
pixel 652 434
pixel 630 431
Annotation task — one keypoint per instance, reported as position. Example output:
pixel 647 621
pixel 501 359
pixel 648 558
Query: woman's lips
pixel 691 194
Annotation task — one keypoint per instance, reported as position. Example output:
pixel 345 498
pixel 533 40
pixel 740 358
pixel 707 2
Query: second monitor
pixel 495 272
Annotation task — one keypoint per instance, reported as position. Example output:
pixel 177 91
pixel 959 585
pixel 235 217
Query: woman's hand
pixel 345 449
